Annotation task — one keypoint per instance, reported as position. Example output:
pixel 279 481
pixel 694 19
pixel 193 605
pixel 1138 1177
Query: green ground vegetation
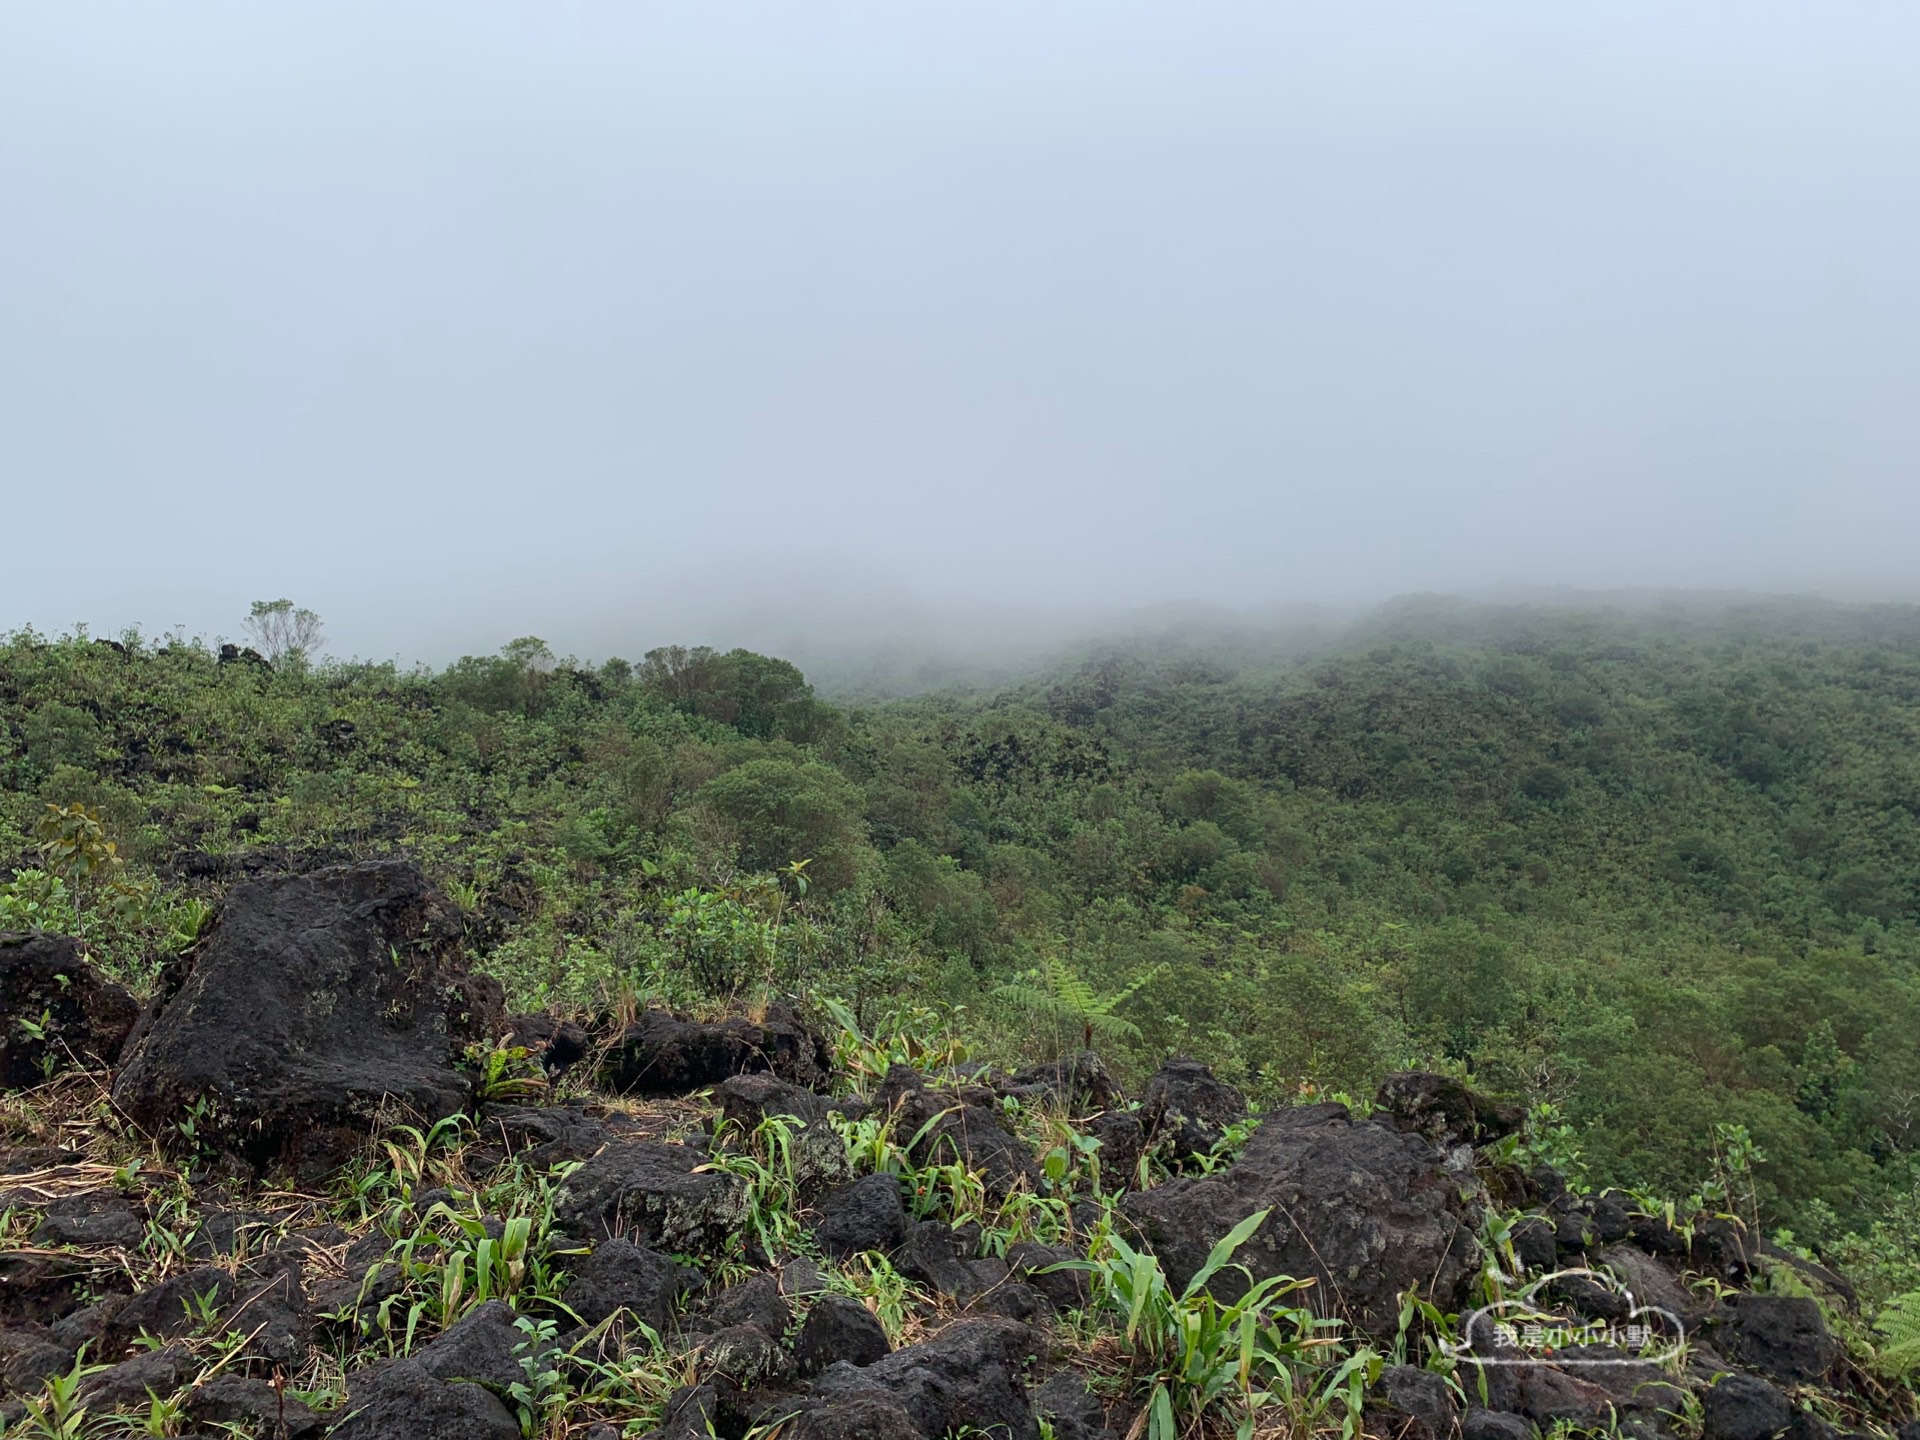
pixel 1655 870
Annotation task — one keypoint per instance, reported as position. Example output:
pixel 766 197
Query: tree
pixel 531 660
pixel 951 902
pixel 755 694
pixel 779 811
pixel 1462 987
pixel 279 630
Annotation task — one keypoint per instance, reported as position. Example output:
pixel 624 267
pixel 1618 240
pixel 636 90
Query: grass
pixel 1202 1362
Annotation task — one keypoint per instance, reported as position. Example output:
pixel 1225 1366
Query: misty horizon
pixel 854 327
pixel 913 648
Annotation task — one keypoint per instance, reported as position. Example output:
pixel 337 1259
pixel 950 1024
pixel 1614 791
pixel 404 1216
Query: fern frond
pixel 1899 1321
pixel 1044 1004
pixel 1057 992
pixel 1112 1027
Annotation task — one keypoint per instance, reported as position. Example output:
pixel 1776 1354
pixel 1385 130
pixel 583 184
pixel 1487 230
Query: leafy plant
pixel 187 920
pixel 479 1266
pixel 772 1225
pixel 727 938
pixel 73 842
pixel 1055 991
pixel 37 900
pixel 508 1074
pixel 1732 1189
pixel 1544 1138
pixel 1899 1321
pixel 1199 1358
pixel 918 1037
pixel 57 1412
pixel 541 1392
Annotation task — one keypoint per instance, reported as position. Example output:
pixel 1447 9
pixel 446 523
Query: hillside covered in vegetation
pixel 1653 872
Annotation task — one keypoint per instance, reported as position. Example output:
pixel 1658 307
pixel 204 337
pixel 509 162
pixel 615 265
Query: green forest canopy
pixel 1658 867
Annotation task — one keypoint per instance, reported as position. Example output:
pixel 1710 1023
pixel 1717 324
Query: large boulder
pixel 266 1293
pixel 838 1329
pixel 486 1347
pixel 233 1404
pixel 540 1136
pixel 1363 1209
pixel 666 1197
pixel 405 1398
pixel 968 1379
pixel 1445 1109
pixel 940 1125
pixel 866 1215
pixel 1187 1109
pixel 817 1153
pixel 620 1275
pixel 315 1002
pixel 92 1217
pixel 1784 1336
pixel 856 1415
pixel 1079 1082
pixel 666 1054
pixel 56 1010
pixel 1744 1407
pixel 1549 1396
pixel 130 1383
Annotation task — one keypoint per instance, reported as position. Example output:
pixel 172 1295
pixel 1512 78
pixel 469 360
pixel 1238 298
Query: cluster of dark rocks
pixel 320 1006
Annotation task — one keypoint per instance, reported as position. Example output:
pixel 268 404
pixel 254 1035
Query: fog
pixel 830 325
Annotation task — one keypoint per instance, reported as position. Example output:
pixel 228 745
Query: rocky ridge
pixel 700 1226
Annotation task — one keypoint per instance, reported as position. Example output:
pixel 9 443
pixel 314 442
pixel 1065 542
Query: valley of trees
pixel 1656 871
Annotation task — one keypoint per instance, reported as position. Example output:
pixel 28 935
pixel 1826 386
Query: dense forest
pixel 1653 870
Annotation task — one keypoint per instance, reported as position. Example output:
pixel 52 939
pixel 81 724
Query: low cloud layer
pixel 626 325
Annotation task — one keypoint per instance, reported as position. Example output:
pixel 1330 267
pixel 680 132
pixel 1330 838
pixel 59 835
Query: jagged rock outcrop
pixel 968 1378
pixel 1079 1082
pixel 316 1002
pixel 1187 1109
pixel 662 1053
pixel 619 1275
pixel 666 1197
pixel 839 1330
pixel 961 1122
pixel 1445 1110
pixel 404 1398
pixel 1781 1336
pixel 1367 1211
pixel 866 1215
pixel 56 1010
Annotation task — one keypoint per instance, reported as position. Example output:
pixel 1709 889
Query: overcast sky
pixel 620 323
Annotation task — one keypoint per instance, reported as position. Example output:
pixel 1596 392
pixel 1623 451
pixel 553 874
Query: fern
pixel 1060 993
pixel 1899 1321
